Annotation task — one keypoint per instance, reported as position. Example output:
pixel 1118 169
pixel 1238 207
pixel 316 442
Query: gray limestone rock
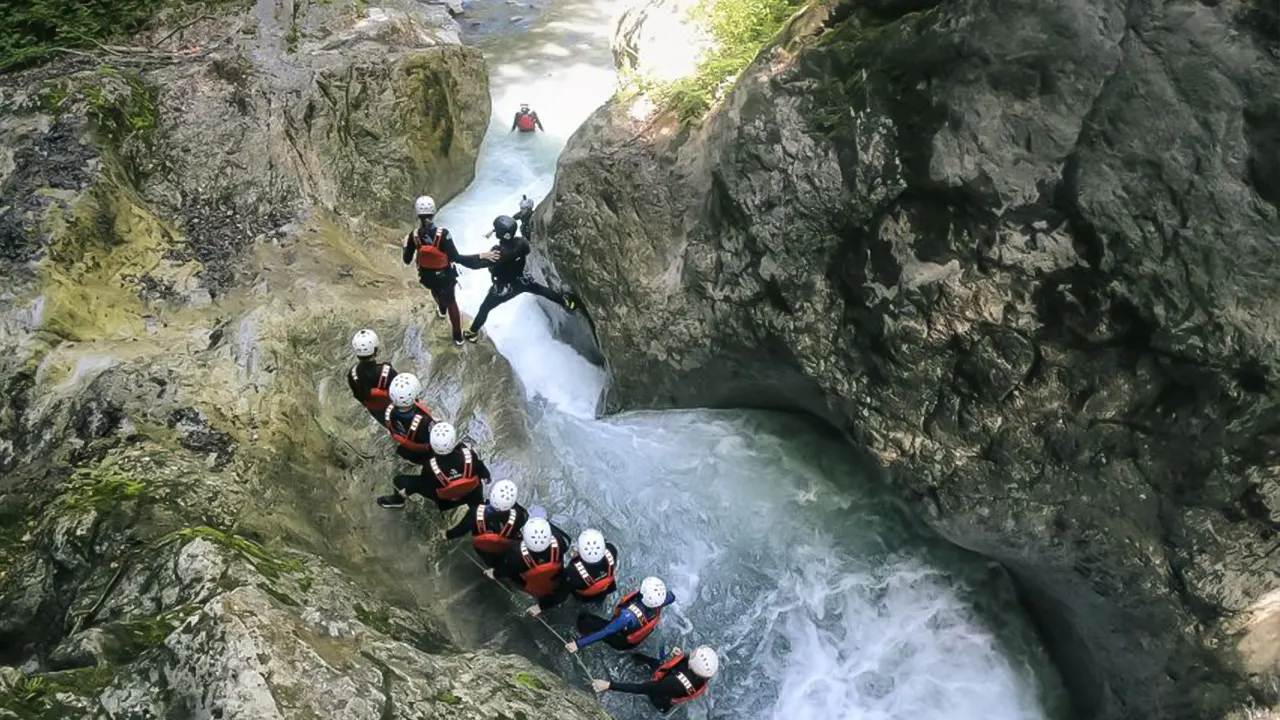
pixel 1023 253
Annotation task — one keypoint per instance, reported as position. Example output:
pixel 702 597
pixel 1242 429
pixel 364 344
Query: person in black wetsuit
pixel 454 476
pixel 590 575
pixel 431 248
pixel 370 380
pixel 536 563
pixel 678 679
pixel 506 263
pixel 494 525
pixel 524 216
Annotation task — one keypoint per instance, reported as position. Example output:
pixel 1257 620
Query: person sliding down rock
pixel 678 679
pixel 494 525
pixel 432 249
pixel 634 618
pixel 590 574
pixel 408 421
pixel 451 478
pixel 370 379
pixel 526 120
pixel 537 561
pixel 506 263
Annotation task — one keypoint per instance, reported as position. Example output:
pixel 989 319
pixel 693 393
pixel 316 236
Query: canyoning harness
pixel 379 399
pixel 487 541
pixel 693 684
pixel 595 586
pixel 455 485
pixel 406 438
pixel 540 577
pixel 430 256
pixel 646 616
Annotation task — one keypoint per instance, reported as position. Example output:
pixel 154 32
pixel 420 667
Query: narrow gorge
pixel 966 254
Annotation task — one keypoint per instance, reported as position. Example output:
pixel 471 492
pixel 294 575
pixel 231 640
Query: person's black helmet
pixel 504 226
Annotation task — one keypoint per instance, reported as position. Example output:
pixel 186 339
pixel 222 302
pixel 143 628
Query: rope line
pixel 585 671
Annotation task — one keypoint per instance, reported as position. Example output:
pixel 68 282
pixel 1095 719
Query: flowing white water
pixel 823 598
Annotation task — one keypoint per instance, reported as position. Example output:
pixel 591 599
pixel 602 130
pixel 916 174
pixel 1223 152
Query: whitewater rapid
pixel 824 598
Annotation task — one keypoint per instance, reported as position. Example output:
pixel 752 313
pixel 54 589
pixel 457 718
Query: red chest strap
pixel 382 379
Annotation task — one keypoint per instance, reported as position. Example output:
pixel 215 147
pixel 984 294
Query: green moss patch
pixel 270 564
pixel 524 679
pixel 102 487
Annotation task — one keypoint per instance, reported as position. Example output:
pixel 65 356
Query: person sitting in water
pixel 678 679
pixel 589 576
pixel 494 525
pixel 536 563
pixel 451 478
pixel 526 120
pixel 524 216
pixel 634 618
pixel 370 379
pixel 506 263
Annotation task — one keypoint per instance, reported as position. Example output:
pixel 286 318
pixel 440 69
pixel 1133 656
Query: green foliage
pixel 122 111
pixel 448 698
pixel 33 29
pixel 271 565
pixel 35 697
pixel 740 28
pixel 101 487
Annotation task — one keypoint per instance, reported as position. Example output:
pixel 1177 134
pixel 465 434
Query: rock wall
pixel 1024 253
pixel 186 517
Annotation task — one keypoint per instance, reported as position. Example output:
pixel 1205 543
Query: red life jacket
pixel 540 578
pixel 689 680
pixel 487 541
pixel 595 586
pixel 459 487
pixel 431 256
pixel 405 439
pixel 525 121
pixel 379 398
pixel 648 618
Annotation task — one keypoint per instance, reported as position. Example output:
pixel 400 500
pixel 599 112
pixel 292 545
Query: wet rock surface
pixel 1022 253
pixel 186 516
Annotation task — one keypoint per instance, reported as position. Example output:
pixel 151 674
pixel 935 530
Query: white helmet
pixel 704 662
pixel 591 545
pixel 537 534
pixel 653 592
pixel 404 390
pixel 364 343
pixel 443 438
pixel 503 495
pixel 424 205
pixel 526 203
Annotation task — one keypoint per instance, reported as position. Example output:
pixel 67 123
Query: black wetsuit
pixel 441 283
pixel 571 580
pixel 427 484
pixel 525 218
pixel 513 565
pixel 398 422
pixel 511 278
pixel 494 520
pixel 363 378
pixel 661 693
